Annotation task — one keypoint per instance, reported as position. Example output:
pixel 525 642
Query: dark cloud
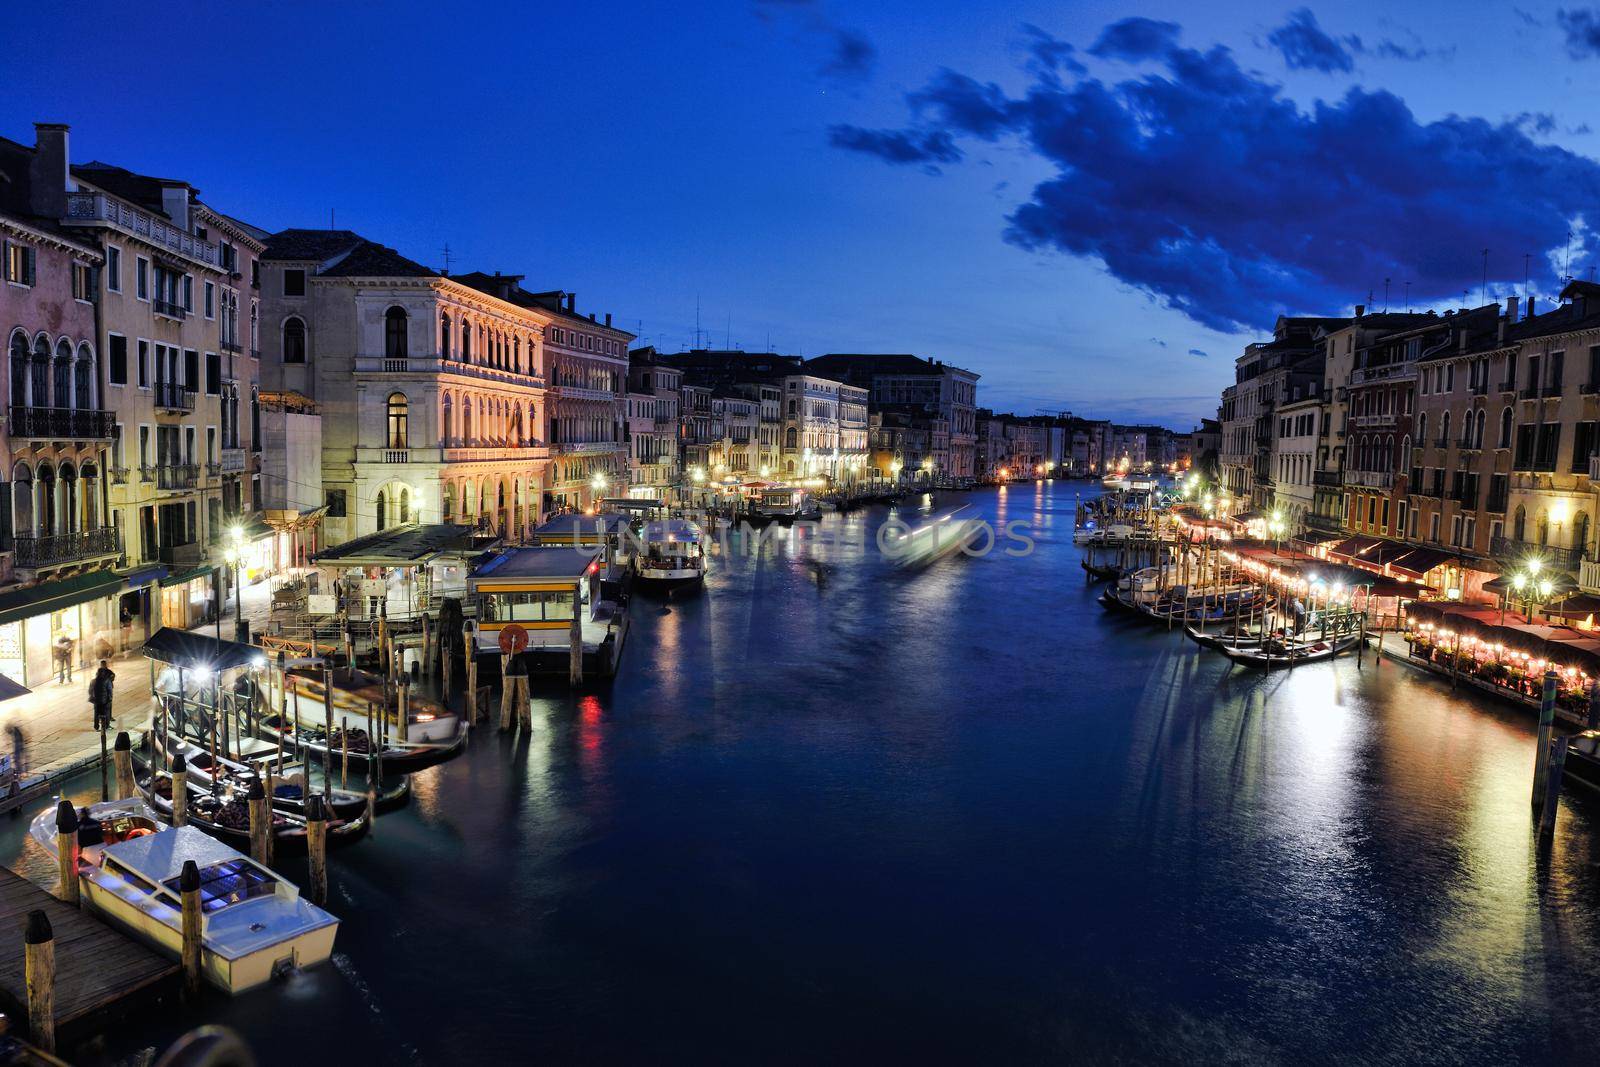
pixel 1306 47
pixel 1582 29
pixel 1049 57
pixel 897 146
pixel 1527 17
pixel 1540 122
pixel 1158 341
pixel 1202 353
pixel 1136 38
pixel 1203 185
pixel 851 56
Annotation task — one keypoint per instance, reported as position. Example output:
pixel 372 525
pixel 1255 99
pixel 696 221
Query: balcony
pixel 60 424
pixel 170 396
pixel 233 460
pixel 577 392
pixel 98 207
pixel 1508 387
pixel 1531 393
pixel 119 475
pixel 67 548
pixel 1331 479
pixel 1594 468
pixel 177 477
pixel 1369 479
pixel 1496 504
pixel 230 346
pixel 169 309
pixel 1510 550
pixel 188 552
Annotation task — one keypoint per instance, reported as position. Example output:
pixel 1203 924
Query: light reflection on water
pixel 834 809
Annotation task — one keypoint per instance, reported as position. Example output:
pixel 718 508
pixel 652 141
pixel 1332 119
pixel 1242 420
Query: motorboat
pixel 253 924
pixel 939 536
pixel 1583 759
pixel 672 556
pixel 783 504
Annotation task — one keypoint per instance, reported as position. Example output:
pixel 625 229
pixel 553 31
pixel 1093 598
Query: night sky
pixel 1092 205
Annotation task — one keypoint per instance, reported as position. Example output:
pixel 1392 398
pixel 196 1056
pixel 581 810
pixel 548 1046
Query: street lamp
pixel 894 469
pixel 234 555
pixel 1276 526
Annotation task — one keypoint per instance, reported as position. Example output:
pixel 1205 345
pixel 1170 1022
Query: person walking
pixel 63 650
pixel 101 692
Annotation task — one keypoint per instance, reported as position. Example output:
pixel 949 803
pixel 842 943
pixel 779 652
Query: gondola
pixel 1102 572
pixel 1277 654
pixel 226 817
pixel 1236 638
pixel 288 789
pixel 1583 759
pixel 395 757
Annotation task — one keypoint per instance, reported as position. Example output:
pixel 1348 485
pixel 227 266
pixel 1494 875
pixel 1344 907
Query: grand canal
pixel 833 810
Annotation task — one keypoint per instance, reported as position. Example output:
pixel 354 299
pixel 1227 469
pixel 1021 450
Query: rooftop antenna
pixel 697 320
pixel 1483 294
pixel 1566 267
pixel 331 226
pixel 727 338
pixel 1386 295
pixel 447 257
pixel 1408 298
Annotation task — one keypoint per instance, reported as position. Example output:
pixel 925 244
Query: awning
pixel 184 649
pixel 188 574
pixel 27 601
pixel 146 574
pixel 1419 561
pixel 1559 584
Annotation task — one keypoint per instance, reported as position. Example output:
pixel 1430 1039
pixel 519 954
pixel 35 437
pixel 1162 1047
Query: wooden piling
pixel 327 730
pixel 524 709
pixel 471 704
pixel 1557 761
pixel 260 823
pixel 179 774
pixel 67 851
pixel 344 751
pixel 189 899
pixel 403 710
pixel 427 646
pixel 506 694
pixel 39 969
pixel 122 757
pixel 317 849
pixel 1541 757
pixel 575 662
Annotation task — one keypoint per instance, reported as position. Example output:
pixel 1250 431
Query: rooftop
pixel 556 564
pixel 342 254
pixel 401 546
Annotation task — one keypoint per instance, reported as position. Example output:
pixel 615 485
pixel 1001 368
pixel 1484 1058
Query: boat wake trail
pixel 348 972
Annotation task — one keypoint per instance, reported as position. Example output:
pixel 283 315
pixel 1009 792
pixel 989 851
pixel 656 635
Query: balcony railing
pixel 1510 550
pixel 177 476
pixel 230 346
pixel 173 397
pixel 1508 387
pixel 98 207
pixel 1327 478
pixel 119 475
pixel 1369 479
pixel 58 424
pixel 1530 393
pixel 169 309
pixel 1496 504
pixel 65 548
pixel 184 553
pixel 1594 468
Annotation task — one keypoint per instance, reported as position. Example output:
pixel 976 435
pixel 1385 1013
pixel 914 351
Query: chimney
pixel 1531 312
pixel 1361 309
pixel 572 302
pixel 175 203
pixel 1463 338
pixel 1512 308
pixel 48 175
pixel 608 318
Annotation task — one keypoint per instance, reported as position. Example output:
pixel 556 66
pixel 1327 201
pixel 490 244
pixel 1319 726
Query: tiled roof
pixel 344 254
pixel 140 189
pixel 309 244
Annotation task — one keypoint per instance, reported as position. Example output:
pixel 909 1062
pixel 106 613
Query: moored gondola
pixel 395 757
pixel 225 815
pixel 1274 654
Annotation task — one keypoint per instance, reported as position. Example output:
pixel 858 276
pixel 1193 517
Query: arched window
pixel 1544 528
pixel 1405 455
pixel 466 341
pixel 19 367
pixel 1444 430
pixel 62 397
pixel 45 499
pixel 383 510
pixel 1477 429
pixel 1422 429
pixel 447 431
pixel 1519 523
pixel 397 420
pixel 447 500
pixel 1580 531
pixel 791 438
pixel 405 505
pixel 40 378
pixel 1505 428
pixel 444 336
pixel 394 333
pixel 22 496
pixel 294 341
pixel 69 498
pixel 83 379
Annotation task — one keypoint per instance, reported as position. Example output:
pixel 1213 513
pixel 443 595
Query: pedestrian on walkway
pixel 63 650
pixel 101 692
pixel 19 754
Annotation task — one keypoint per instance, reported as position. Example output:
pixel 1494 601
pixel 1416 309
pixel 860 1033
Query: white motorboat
pixel 253 923
pixel 673 554
pixel 940 536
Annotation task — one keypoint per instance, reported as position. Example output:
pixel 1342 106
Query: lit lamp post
pixel 1276 526
pixel 894 469
pixel 927 469
pixel 234 555
pixel 598 483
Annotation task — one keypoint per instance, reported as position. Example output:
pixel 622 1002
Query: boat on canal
pixel 313 741
pixel 253 924
pixel 782 504
pixel 288 783
pixel 1277 653
pixel 673 555
pixel 225 815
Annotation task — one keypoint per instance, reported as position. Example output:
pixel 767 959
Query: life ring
pixel 137 831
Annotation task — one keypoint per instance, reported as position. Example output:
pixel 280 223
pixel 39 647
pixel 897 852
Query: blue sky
pixel 1095 213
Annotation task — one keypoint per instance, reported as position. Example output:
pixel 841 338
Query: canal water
pixel 837 811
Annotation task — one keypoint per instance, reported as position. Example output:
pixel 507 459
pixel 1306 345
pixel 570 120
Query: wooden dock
pixel 96 965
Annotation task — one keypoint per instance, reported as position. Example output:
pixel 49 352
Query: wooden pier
pixel 97 967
